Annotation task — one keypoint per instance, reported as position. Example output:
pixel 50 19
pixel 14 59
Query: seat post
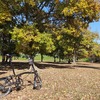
pixel 31 62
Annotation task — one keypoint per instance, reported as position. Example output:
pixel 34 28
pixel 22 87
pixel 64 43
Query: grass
pixel 45 58
pixel 85 60
pixel 37 58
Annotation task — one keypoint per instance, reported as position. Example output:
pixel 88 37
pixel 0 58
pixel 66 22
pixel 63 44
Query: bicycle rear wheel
pixel 37 83
pixel 5 88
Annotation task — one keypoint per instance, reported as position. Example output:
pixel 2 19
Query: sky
pixel 95 27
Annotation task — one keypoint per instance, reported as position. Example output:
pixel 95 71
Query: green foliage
pixel 46 44
pixel 27 39
pixel 85 60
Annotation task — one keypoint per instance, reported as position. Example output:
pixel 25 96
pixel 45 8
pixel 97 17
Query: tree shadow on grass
pixel 25 65
pixel 44 65
pixel 65 65
pixel 89 67
pixel 2 73
pixel 53 65
pixel 15 65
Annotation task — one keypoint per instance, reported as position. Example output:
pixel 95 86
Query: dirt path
pixel 61 82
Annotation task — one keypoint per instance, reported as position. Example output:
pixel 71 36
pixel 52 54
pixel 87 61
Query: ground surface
pixel 60 82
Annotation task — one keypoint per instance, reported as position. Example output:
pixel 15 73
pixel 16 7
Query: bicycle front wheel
pixel 37 83
pixel 4 88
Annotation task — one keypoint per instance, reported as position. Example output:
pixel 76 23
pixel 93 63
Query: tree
pixel 30 20
pixel 79 14
pixel 46 44
pixel 27 39
pixel 4 13
pixel 30 41
pixel 88 45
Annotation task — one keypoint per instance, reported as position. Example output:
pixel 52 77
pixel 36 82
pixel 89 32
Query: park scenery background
pixel 56 34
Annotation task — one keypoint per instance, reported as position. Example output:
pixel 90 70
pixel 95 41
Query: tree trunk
pixel 3 58
pixel 69 62
pixel 59 59
pixel 54 58
pixel 74 57
pixel 41 57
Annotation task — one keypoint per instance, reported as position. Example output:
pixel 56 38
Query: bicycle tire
pixel 19 83
pixel 5 89
pixel 37 83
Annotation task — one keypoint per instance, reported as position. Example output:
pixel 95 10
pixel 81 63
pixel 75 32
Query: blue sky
pixel 95 27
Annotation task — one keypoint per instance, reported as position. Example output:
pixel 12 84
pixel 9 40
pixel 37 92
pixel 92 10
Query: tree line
pixel 57 28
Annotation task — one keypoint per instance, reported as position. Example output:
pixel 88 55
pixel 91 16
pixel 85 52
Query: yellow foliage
pixel 31 2
pixel 56 1
pixel 84 7
pixel 5 16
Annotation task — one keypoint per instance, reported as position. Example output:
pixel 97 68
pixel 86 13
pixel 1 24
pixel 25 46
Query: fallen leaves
pixel 62 84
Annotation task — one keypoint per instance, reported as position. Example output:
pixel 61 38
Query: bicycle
pixel 6 83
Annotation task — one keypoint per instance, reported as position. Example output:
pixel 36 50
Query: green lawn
pixel 37 58
pixel 46 58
